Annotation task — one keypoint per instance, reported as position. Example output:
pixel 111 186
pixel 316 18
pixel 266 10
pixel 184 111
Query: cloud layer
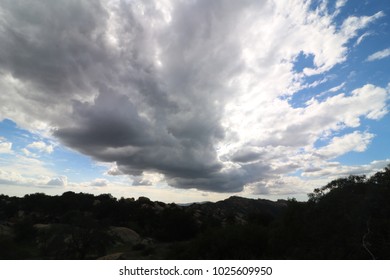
pixel 196 91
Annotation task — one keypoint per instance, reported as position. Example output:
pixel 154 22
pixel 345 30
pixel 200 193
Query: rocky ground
pixel 106 228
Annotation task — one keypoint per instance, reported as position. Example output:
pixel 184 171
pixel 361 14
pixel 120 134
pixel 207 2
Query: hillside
pixel 346 219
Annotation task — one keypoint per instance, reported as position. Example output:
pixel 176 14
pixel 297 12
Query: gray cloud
pixel 111 121
pixel 141 182
pixel 53 45
pixel 159 120
pixel 247 155
pixel 58 181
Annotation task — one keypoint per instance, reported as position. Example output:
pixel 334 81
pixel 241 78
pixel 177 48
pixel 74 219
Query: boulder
pixel 125 235
pixel 5 231
pixel 115 256
pixel 42 227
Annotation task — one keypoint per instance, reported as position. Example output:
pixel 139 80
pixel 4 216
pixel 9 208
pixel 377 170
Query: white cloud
pixel 9 177
pixel 5 146
pixel 300 186
pixel 113 171
pixel 280 124
pixel 353 24
pixel 27 153
pixel 333 170
pixel 340 3
pixel 41 147
pixel 337 88
pixel 355 141
pixel 331 90
pixel 379 55
pixel 26 166
pixel 24 171
pixel 362 37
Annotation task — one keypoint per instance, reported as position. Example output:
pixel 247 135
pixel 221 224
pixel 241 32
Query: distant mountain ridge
pixel 238 209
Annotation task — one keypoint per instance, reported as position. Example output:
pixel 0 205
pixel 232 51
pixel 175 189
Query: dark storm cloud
pixel 52 44
pixel 111 121
pixel 231 180
pixel 123 87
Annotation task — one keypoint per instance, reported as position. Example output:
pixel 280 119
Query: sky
pixel 184 101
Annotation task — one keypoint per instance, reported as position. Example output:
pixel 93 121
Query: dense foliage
pixel 349 218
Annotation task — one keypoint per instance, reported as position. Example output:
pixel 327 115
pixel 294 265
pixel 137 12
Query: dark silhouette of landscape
pixel 349 218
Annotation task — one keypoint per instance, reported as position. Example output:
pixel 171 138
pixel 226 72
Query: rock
pixel 115 256
pixel 42 226
pixel 5 231
pixel 125 235
pixel 147 241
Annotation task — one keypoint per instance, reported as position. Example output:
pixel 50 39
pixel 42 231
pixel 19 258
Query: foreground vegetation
pixel 349 218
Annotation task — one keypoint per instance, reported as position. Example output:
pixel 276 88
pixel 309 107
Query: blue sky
pixel 192 101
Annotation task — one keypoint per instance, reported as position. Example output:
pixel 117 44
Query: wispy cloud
pixel 340 3
pixel 362 37
pixel 379 55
